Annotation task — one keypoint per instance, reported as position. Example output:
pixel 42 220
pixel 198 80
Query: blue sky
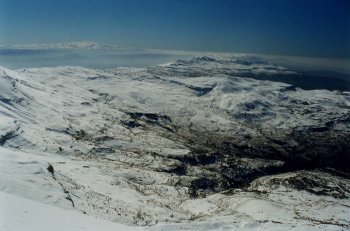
pixel 318 28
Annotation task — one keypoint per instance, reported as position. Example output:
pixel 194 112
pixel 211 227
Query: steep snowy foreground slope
pixel 187 145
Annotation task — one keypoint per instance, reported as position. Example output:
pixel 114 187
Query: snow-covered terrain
pixel 190 145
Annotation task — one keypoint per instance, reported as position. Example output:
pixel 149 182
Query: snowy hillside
pixel 191 145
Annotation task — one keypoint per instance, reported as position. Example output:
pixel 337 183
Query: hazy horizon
pixel 95 55
pixel 291 28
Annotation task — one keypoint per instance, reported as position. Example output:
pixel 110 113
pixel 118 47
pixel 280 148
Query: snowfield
pixel 196 144
pixel 18 213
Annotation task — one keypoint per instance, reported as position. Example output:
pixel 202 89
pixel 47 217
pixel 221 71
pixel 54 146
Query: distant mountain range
pixel 68 45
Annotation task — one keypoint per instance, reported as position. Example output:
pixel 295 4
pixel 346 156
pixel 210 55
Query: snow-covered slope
pixel 190 144
pixel 18 213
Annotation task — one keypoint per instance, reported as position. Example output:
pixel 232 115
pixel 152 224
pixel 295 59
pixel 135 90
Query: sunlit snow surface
pixel 186 145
